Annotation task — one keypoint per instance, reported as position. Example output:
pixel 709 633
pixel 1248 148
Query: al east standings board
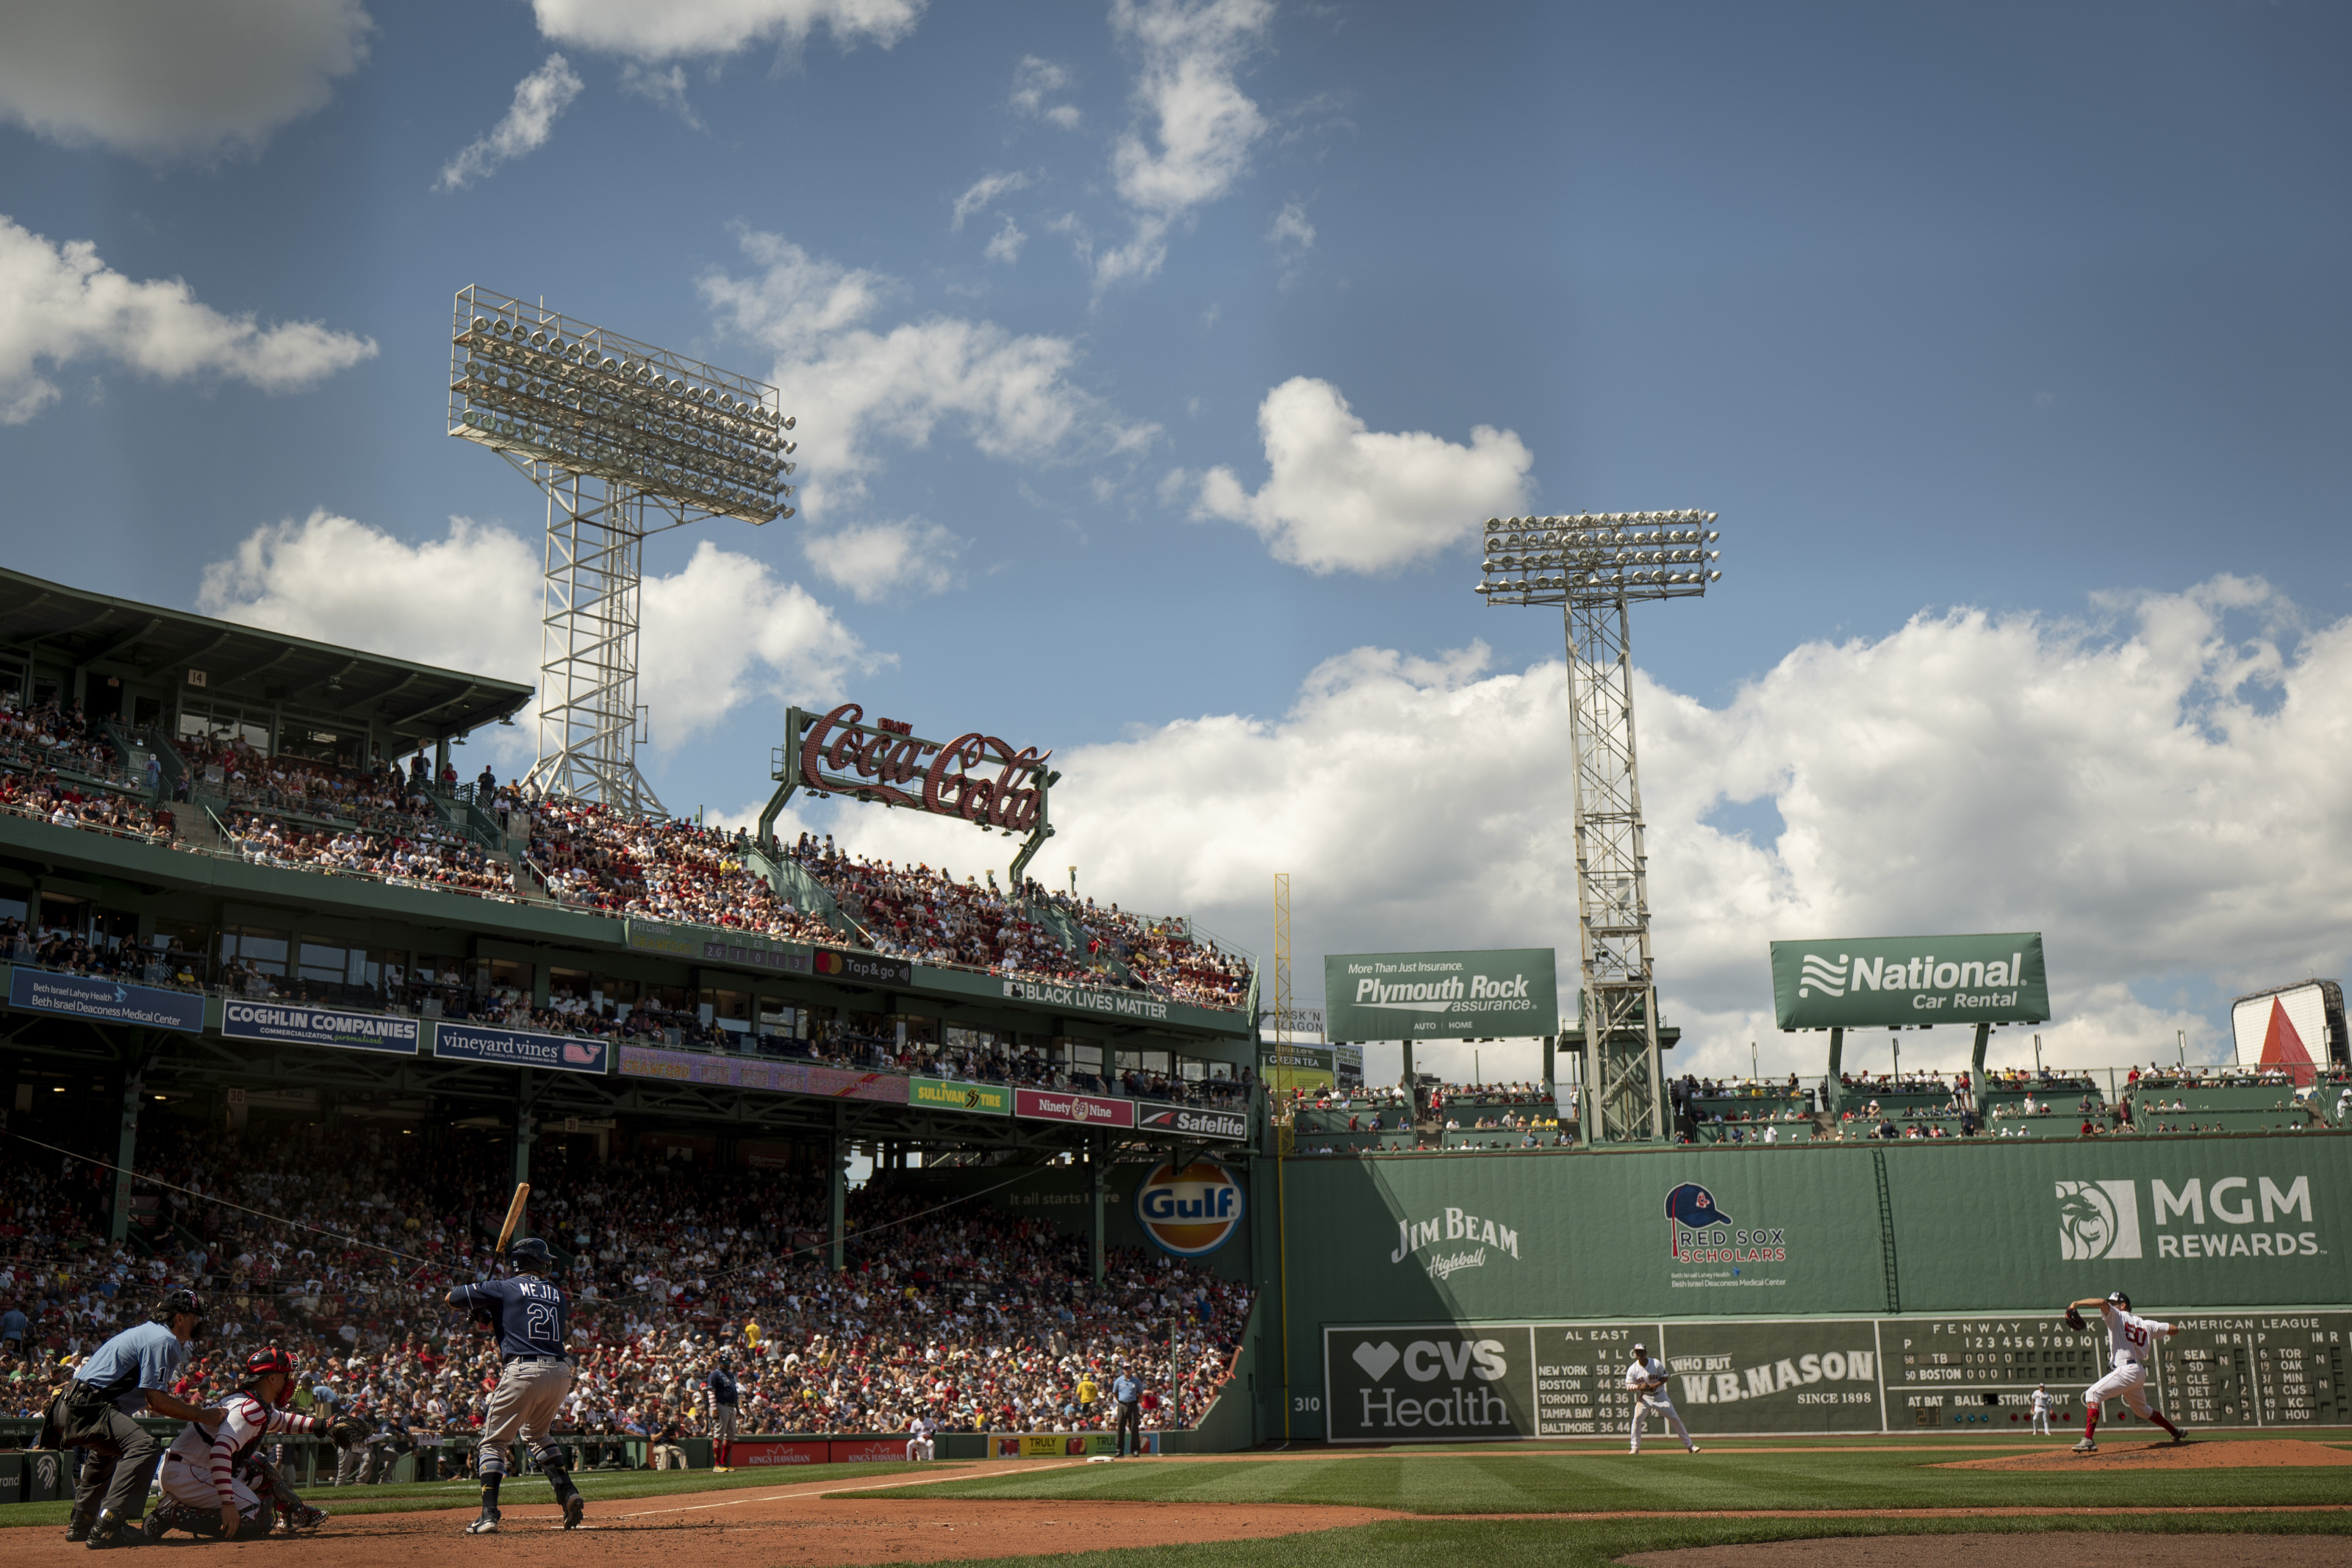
pixel 1478 994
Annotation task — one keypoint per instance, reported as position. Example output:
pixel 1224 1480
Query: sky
pixel 1155 363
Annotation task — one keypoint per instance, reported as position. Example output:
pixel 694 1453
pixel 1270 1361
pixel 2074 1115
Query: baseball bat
pixel 514 1214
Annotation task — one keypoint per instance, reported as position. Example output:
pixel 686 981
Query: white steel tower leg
pixel 1623 1095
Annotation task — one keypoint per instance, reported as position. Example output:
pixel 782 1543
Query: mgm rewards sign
pixel 1885 982
pixel 1474 994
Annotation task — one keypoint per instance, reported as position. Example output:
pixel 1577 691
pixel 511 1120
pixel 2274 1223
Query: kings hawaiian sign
pixel 976 776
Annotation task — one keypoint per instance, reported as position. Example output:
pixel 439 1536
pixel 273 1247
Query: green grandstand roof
pixel 246 663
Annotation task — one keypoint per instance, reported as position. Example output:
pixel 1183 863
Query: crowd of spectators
pixel 427 855
pixel 42 796
pixel 594 857
pixel 961 1313
pixel 49 735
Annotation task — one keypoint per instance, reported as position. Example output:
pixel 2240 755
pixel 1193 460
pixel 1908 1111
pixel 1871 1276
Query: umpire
pixel 126 1376
pixel 1127 1393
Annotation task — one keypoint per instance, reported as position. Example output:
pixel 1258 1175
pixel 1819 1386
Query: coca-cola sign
pixel 1082 1110
pixel 976 776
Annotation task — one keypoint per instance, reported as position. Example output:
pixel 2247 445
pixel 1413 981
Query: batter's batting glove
pixel 2074 1320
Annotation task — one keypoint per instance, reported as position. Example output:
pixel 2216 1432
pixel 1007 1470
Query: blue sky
pixel 2036 313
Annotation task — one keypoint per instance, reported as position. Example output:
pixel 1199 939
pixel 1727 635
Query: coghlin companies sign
pixel 1878 982
pixel 1441 996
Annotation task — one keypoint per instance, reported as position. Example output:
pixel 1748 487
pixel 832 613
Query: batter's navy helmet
pixel 530 1253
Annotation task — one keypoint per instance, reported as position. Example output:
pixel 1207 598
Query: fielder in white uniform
pixel 2131 1340
pixel 1646 1380
pixel 2041 1408
pixel 919 1446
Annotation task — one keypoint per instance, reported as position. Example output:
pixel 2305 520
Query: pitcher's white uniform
pixel 2130 1342
pixel 1645 1379
pixel 2041 1411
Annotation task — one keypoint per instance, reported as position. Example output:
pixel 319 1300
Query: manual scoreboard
pixel 1975 1372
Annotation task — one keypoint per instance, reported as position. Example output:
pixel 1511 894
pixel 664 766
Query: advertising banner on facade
pixel 1078 1110
pixel 1289 1069
pixel 867 969
pixel 292 1025
pixel 814 1452
pixel 754 1073
pixel 1468 995
pixel 1886 982
pixel 520 1048
pixel 943 1094
pixel 1058 1445
pixel 1192 1122
pixel 106 1000
pixel 2295 1027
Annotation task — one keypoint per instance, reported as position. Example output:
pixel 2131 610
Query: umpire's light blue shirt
pixel 1126 1390
pixel 151 1351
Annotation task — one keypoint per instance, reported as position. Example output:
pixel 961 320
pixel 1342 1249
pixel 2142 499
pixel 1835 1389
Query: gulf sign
pixel 1189 1212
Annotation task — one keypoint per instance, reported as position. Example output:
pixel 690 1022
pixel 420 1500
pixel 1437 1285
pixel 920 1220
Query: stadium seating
pixel 983 1321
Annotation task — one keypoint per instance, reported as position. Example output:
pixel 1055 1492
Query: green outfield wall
pixel 1839 1242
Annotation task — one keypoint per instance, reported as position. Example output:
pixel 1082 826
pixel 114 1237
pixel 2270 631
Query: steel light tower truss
pixel 625 440
pixel 1593 565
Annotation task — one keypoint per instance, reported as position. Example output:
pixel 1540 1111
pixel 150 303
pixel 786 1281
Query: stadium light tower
pixel 1593 565
pixel 618 433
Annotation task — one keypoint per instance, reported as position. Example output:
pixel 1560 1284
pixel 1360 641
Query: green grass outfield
pixel 1728 1475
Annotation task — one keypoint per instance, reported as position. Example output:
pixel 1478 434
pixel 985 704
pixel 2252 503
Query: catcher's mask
pixel 263 1363
pixel 531 1253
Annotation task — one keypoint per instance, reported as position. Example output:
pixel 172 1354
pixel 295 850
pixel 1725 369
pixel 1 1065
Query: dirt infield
pixel 1941 1551
pixel 2259 1453
pixel 794 1527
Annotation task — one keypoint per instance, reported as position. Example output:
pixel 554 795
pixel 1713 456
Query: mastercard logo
pixel 1190 1211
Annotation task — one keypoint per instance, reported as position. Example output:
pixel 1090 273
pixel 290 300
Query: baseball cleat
pixel 576 1508
pixel 2086 1447
pixel 1691 1449
pixel 486 1525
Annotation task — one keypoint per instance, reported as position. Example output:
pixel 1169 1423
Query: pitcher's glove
pixel 347 1431
pixel 2074 1320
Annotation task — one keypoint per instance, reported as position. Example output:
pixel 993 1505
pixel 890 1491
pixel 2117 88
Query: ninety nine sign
pixel 1082 1110
pixel 976 776
pixel 1878 982
pixel 319 1026
pixel 520 1048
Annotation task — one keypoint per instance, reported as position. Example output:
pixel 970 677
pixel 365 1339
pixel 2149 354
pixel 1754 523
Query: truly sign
pixel 1880 982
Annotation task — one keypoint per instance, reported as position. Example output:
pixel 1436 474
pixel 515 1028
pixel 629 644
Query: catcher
pixel 210 1477
pixel 2131 1340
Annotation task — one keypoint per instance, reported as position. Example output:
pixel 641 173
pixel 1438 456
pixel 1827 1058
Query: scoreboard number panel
pixel 1974 1372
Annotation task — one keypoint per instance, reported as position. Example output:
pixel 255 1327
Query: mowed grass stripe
pixel 1591 1543
pixel 1570 1483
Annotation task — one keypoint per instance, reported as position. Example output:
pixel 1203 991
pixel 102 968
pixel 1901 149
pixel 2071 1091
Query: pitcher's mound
pixel 2261 1453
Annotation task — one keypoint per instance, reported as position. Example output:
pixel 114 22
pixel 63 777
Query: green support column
pixel 126 1147
pixel 1976 1065
pixel 526 1131
pixel 837 1179
pixel 1551 1050
pixel 1829 1085
pixel 1097 1163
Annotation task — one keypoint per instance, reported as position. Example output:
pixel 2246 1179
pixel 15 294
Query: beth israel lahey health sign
pixel 1473 994
pixel 1881 982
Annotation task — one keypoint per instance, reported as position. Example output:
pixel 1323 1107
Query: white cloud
pixel 538 97
pixel 1292 237
pixel 1343 497
pixel 163 79
pixel 720 632
pixel 1201 125
pixel 1033 81
pixel 885 561
pixel 677 27
pixel 1012 395
pixel 982 192
pixel 664 88
pixel 2159 792
pixel 61 303
pixel 1005 244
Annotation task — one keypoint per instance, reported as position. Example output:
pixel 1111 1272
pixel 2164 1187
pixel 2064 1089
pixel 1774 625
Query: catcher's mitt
pixel 347 1431
pixel 2074 1320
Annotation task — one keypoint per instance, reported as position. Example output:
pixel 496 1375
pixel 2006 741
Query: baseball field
pixel 2213 1504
